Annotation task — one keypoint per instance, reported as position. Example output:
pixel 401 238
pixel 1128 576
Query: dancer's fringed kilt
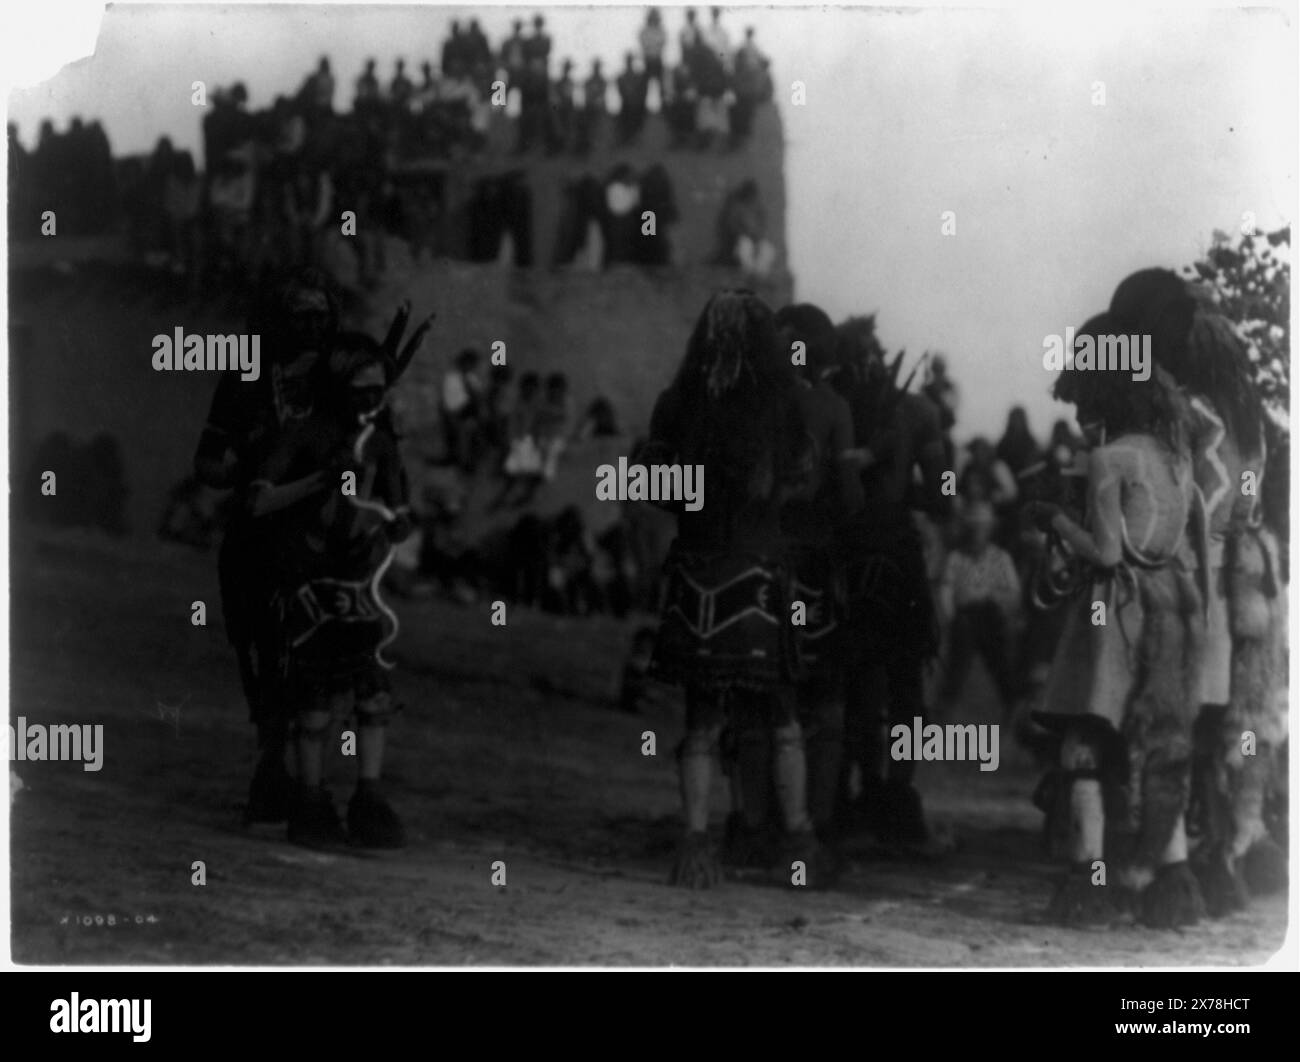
pixel 725 623
pixel 329 632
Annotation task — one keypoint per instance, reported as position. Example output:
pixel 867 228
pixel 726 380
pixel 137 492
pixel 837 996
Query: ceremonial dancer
pixel 814 523
pixel 1243 689
pixel 1122 684
pixel 297 323
pixel 892 629
pixel 334 495
pixel 821 498
pixel 725 630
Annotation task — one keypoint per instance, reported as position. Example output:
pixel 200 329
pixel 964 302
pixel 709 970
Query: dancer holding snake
pixel 334 490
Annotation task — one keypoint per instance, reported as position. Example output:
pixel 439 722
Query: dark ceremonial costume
pixel 329 551
pixel 891 614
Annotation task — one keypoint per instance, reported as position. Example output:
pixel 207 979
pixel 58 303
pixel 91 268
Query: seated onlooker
pixel 447 555
pixel 979 598
pixel 599 421
pixel 194 514
pixel 570 587
pixel 634 682
pixel 987 479
pixel 742 232
pixel 680 109
pixel 554 422
pixel 495 422
pixel 522 468
pixel 622 215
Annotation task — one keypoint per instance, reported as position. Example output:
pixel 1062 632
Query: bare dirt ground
pixel 508 750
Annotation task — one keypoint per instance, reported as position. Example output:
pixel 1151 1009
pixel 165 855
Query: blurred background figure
pixel 979 600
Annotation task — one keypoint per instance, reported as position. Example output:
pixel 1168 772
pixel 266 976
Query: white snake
pixel 389 516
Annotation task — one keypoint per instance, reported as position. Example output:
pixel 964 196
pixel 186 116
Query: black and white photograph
pixel 644 488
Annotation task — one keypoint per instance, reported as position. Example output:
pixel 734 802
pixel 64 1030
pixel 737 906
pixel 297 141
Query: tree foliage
pixel 1249 281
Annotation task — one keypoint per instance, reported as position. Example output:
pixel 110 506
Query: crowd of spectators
pixel 272 185
pixel 520 428
pixel 69 173
pixel 988 559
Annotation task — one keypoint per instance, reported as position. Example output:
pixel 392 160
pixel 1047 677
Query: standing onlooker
pixel 513 56
pixel 715 38
pixel 593 108
pixel 1018 449
pixel 689 39
pixel 400 88
pixel 712 80
pixel 318 90
pixel 653 39
pixel 750 82
pixel 367 93
pixel 940 389
pixel 461 397
pixel 308 207
pixel 632 97
pixel 563 109
pixel 181 200
pixel 534 113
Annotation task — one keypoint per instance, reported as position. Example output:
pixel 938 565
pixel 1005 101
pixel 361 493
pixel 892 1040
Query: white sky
pixel 987 113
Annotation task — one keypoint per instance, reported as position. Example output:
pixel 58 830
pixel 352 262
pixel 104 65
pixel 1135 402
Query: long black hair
pixel 1118 401
pixel 735 389
pixel 1194 344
